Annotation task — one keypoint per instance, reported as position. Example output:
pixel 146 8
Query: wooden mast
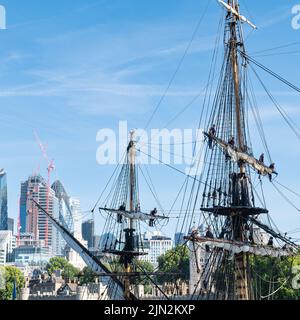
pixel 130 230
pixel 241 272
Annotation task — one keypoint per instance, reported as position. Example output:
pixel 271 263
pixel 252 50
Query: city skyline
pixel 71 92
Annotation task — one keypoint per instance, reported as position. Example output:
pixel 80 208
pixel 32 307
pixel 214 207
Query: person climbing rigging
pixel 121 208
pixel 138 208
pixel 212 133
pixel 272 167
pixel 231 141
pixel 210 235
pixel 271 242
pixel 153 214
pixel 262 158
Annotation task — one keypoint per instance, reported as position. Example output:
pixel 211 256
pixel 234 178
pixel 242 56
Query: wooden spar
pixel 241 276
pixel 235 73
pixel 131 156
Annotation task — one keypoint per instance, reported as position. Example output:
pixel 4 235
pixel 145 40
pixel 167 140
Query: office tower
pixel 155 245
pixel 179 238
pixel 23 206
pixel 35 188
pixel 96 242
pixel 7 245
pixel 88 231
pixel 10 225
pixel 77 217
pixel 64 216
pixel 3 201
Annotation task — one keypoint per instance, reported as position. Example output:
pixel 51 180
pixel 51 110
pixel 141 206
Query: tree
pixel 174 261
pixel 69 272
pixel 55 264
pixel 11 275
pixel 146 267
pixel 87 275
pixel 277 277
pixel 143 267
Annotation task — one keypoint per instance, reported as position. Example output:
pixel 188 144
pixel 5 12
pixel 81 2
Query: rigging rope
pixel 286 198
pixel 287 119
pixel 179 65
pixel 272 73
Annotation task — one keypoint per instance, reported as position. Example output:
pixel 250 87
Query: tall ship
pixel 225 197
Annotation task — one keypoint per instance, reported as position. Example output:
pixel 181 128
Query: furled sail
pixel 236 247
pixel 135 215
pixel 237 155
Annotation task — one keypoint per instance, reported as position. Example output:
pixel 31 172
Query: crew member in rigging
pixel 210 235
pixel 212 133
pixel 122 208
pixel 153 213
pixel 231 141
pixel 272 167
pixel 138 208
pixel 271 242
pixel 262 158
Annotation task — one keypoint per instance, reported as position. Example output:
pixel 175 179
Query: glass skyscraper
pixel 23 206
pixel 88 232
pixel 3 201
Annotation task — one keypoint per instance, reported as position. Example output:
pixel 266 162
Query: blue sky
pixel 70 68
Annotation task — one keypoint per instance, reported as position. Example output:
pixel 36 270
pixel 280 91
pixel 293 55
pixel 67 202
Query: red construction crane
pixel 50 168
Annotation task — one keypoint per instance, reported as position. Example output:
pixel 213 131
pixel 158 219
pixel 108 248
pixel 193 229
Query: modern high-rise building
pixel 35 188
pixel 10 225
pixel 73 257
pixel 3 201
pixel 179 238
pixel 23 206
pixel 7 245
pixel 88 232
pixel 155 245
pixel 97 242
pixel 77 217
pixel 31 251
pixel 65 217
pixel 70 217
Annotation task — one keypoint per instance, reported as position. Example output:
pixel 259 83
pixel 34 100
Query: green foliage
pixel 114 265
pixel 273 274
pixel 69 272
pixel 174 261
pixel 87 276
pixel 144 266
pixel 55 264
pixel 11 274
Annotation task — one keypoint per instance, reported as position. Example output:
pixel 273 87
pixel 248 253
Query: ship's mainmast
pixel 230 195
pixel 241 281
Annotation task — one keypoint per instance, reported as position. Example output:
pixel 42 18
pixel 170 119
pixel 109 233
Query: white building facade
pixel 7 245
pixel 155 245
